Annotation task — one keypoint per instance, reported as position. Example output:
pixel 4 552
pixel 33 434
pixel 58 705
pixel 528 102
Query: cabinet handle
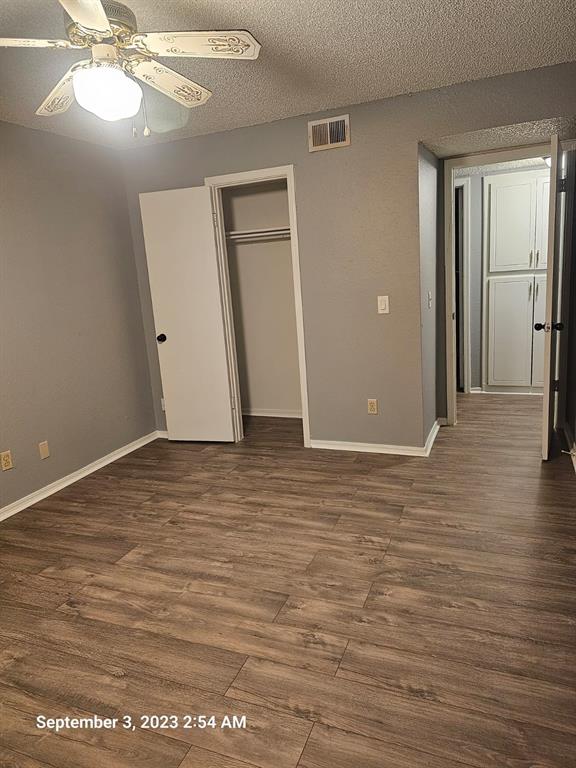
pixel 537 290
pixel 531 257
pixel 537 258
pixel 529 291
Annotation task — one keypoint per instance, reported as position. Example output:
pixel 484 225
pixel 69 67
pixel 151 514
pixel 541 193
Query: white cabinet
pixel 542 205
pixel 538 336
pixel 510 310
pixel 515 260
pixel 512 210
pixel 517 221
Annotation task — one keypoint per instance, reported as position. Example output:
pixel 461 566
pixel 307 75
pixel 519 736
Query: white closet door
pixel 186 299
pixel 510 307
pixel 538 338
pixel 542 213
pixel 512 210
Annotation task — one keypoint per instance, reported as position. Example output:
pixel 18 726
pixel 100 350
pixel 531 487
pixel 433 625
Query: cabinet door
pixel 510 309
pixel 511 222
pixel 538 337
pixel 542 206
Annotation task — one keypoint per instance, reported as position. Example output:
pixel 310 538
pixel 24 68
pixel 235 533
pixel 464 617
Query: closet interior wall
pixel 256 220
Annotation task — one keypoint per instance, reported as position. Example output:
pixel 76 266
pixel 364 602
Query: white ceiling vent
pixel 329 133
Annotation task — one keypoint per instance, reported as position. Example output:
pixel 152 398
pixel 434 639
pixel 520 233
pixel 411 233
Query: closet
pixel 515 261
pixel 259 256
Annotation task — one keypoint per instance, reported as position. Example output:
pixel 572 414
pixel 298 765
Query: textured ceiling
pixel 521 134
pixel 529 163
pixel 315 55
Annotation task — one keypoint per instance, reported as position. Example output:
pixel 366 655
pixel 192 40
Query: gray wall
pixel 358 225
pixel 73 364
pixel 262 291
pixel 428 223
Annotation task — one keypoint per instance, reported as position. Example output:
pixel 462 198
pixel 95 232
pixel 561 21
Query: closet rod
pixel 252 234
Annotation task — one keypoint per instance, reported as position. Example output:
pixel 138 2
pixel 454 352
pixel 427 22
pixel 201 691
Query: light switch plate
pixel 44 449
pixel 383 305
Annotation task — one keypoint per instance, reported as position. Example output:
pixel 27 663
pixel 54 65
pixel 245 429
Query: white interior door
pixel 512 212
pixel 538 338
pixel 187 304
pixel 510 309
pixel 552 304
pixel 542 213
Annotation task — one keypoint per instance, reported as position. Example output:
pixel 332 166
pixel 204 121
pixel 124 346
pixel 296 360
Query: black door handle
pixel 161 338
pixel 554 327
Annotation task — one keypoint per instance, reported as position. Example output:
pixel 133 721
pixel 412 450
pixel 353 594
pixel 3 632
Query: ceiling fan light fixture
pixel 104 90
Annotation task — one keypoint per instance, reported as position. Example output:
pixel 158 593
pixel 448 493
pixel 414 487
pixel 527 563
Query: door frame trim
pixel 450 165
pixel 465 183
pixel 278 173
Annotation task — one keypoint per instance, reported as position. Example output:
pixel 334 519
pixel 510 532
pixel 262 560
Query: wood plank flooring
pixel 362 611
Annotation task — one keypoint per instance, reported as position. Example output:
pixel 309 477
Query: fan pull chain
pixel 146 132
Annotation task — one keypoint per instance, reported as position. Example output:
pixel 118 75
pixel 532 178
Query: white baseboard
pixel 475 390
pixel 395 450
pixel 57 485
pixel 272 413
pixel 442 421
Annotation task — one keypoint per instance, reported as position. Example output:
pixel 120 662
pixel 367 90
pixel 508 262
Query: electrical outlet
pixel 372 406
pixel 44 449
pixel 6 460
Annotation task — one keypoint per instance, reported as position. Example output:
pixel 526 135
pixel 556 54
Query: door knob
pixel 548 327
pixel 161 338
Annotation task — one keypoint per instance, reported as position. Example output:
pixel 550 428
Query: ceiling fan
pixel 105 84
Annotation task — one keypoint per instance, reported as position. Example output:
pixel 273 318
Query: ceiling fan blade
pixel 169 82
pixel 22 42
pixel 89 14
pixel 227 44
pixel 61 96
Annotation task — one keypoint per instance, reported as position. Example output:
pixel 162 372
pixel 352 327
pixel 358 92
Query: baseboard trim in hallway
pixel 394 450
pixel 57 485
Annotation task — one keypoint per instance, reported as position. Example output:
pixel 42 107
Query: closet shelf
pixel 272 233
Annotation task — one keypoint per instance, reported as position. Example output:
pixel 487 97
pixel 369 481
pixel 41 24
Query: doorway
pixel 504 268
pixel 259 262
pixel 500 243
pixel 257 243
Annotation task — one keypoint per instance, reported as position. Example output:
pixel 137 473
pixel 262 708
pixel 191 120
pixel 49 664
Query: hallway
pixel 362 610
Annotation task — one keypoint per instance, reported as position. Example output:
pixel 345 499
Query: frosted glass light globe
pixel 106 92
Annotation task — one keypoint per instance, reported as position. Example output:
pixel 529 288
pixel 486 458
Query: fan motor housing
pixel 122 22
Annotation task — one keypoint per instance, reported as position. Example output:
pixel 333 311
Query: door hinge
pixel 556 385
pixel 562 185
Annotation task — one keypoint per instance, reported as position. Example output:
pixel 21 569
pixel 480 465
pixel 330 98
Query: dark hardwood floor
pixel 361 610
